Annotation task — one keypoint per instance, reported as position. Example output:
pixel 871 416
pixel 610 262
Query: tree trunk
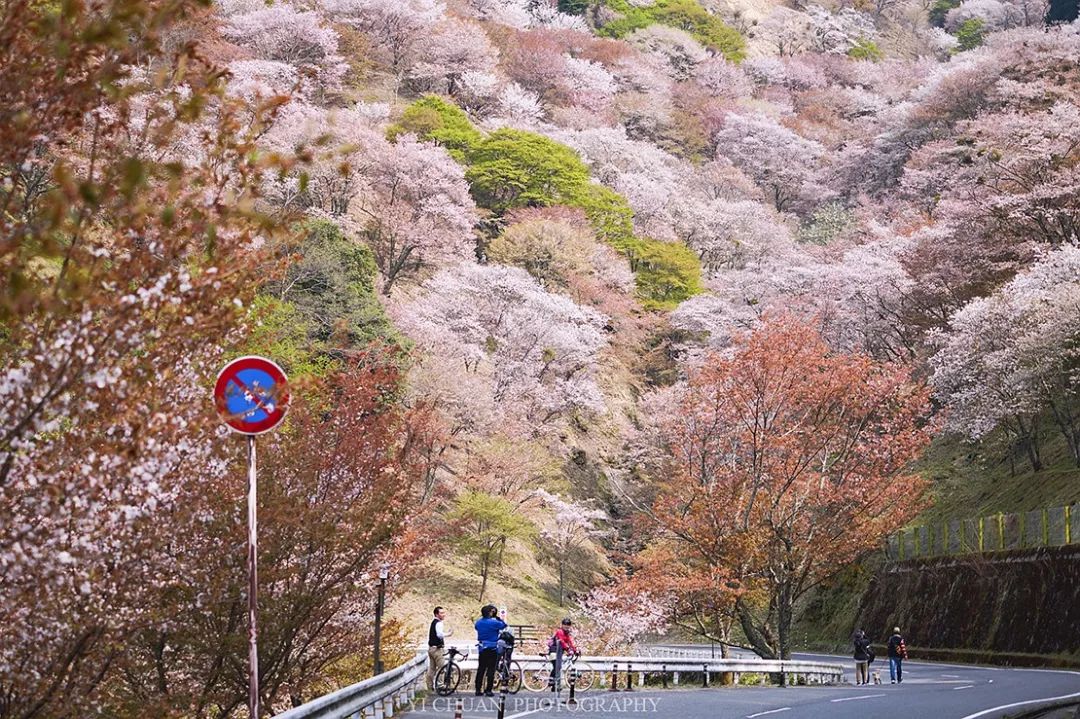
pixel 562 568
pixel 758 641
pixel 784 612
pixel 484 563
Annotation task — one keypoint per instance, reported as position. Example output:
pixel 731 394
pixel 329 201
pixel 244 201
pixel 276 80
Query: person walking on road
pixel 436 645
pixel 488 627
pixel 897 655
pixel 862 658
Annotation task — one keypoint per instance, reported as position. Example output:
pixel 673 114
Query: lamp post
pixel 384 574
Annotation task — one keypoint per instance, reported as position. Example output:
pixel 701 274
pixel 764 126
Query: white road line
pixel 969 686
pixel 771 711
pixel 525 714
pixel 951 676
pixel 851 699
pixel 992 710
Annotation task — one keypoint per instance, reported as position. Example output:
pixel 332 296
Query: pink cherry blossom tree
pixel 569 528
pixel 535 353
pixel 1008 358
pixel 451 50
pixel 398 28
pixel 414 208
pixel 286 34
pixel 786 166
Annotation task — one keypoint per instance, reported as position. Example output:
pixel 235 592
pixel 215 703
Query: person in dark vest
pixel 897 655
pixel 436 645
pixel 862 657
pixel 488 627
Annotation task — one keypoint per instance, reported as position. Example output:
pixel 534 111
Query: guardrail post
pixel 675 678
pixel 663 675
pixel 629 677
pixel 614 677
pixel 502 696
pixel 388 705
pixel 704 675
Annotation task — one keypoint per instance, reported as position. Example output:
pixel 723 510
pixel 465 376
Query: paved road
pixel 929 691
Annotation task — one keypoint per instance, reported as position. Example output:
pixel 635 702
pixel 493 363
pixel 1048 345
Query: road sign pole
pixel 253 587
pixel 252 395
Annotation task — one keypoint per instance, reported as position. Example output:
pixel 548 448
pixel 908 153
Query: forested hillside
pixel 646 312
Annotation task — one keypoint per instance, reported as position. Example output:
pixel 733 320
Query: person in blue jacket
pixel 488 627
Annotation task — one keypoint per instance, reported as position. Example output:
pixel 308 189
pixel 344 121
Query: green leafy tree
pixel 573 7
pixel 331 283
pixel 488 524
pixel 279 330
pixel 433 118
pixel 666 273
pixel 939 10
pixel 515 168
pixel 686 15
pixel 866 49
pixel 970 34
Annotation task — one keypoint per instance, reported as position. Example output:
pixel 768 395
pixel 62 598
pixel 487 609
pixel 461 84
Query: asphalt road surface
pixel 929 691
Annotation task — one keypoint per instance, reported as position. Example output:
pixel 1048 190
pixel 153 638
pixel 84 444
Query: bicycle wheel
pixel 538 680
pixel 584 676
pixel 447 680
pixel 514 678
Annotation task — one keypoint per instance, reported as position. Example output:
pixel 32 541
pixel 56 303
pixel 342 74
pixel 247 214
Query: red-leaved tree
pixel 785 461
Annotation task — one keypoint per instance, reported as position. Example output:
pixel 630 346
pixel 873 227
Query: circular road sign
pixel 251 395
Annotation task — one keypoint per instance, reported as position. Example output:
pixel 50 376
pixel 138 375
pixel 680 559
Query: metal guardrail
pixel 810 672
pixel 681 652
pixel 379 696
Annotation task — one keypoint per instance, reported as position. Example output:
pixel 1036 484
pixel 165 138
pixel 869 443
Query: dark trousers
pixel 488 660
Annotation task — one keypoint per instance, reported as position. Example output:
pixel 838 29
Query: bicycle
pixel 449 677
pixel 509 670
pixel 538 680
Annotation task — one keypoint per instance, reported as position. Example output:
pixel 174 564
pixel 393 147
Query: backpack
pixel 869 656
pixel 553 644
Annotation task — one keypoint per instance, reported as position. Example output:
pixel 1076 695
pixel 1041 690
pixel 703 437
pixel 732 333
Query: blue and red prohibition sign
pixel 251 395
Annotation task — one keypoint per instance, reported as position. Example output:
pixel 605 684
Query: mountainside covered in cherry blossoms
pixel 651 312
pixel 569 205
